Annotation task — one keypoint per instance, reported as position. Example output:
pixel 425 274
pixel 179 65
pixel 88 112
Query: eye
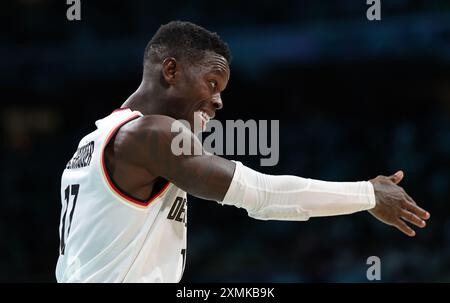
pixel 213 84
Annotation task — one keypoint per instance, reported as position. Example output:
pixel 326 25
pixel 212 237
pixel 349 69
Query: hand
pixel 394 206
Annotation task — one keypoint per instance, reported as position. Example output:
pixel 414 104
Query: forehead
pixel 215 63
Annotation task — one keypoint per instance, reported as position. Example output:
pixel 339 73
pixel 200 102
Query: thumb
pixel 397 177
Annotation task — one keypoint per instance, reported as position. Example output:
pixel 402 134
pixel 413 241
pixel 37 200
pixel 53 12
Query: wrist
pixel 371 194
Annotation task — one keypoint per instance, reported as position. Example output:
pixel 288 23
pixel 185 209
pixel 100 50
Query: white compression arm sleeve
pixel 292 198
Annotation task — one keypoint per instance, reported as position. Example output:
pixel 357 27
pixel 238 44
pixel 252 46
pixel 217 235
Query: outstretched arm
pixel 264 196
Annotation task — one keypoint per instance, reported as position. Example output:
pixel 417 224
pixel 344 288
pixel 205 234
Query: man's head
pixel 192 65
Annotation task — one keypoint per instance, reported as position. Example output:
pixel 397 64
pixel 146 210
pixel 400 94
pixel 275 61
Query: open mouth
pixel 201 119
pixel 205 116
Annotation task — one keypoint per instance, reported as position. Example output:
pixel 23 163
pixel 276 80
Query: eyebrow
pixel 219 71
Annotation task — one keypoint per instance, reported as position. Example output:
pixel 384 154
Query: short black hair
pixel 184 41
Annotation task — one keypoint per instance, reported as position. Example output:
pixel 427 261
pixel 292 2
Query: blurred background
pixel 354 99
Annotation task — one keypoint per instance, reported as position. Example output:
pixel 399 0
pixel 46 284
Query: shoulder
pixel 150 126
pixel 139 131
pixel 153 123
pixel 146 137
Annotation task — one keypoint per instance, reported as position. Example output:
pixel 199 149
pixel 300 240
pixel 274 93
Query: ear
pixel 169 70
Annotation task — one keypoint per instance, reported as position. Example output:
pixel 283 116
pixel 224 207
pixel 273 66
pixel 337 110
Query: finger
pixel 412 218
pixel 409 198
pixel 417 210
pixel 403 227
pixel 426 215
pixel 397 177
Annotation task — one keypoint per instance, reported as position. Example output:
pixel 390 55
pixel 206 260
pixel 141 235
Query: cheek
pixel 194 89
pixel 199 92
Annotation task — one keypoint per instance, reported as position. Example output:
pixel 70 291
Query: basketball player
pixel 123 193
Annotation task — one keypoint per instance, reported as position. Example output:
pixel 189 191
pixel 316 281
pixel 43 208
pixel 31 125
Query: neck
pixel 147 99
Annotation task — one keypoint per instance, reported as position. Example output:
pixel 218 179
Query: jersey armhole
pixel 113 185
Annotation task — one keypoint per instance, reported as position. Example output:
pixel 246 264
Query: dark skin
pixel 140 154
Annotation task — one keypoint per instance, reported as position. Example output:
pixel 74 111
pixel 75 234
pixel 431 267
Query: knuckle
pixel 405 203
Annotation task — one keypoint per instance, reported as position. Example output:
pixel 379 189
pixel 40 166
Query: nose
pixel 217 102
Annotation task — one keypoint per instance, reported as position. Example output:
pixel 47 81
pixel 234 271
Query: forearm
pixel 294 198
pixel 207 176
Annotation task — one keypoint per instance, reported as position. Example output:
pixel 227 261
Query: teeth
pixel 205 115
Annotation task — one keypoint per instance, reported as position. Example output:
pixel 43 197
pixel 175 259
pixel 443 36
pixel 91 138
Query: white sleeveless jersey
pixel 107 236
